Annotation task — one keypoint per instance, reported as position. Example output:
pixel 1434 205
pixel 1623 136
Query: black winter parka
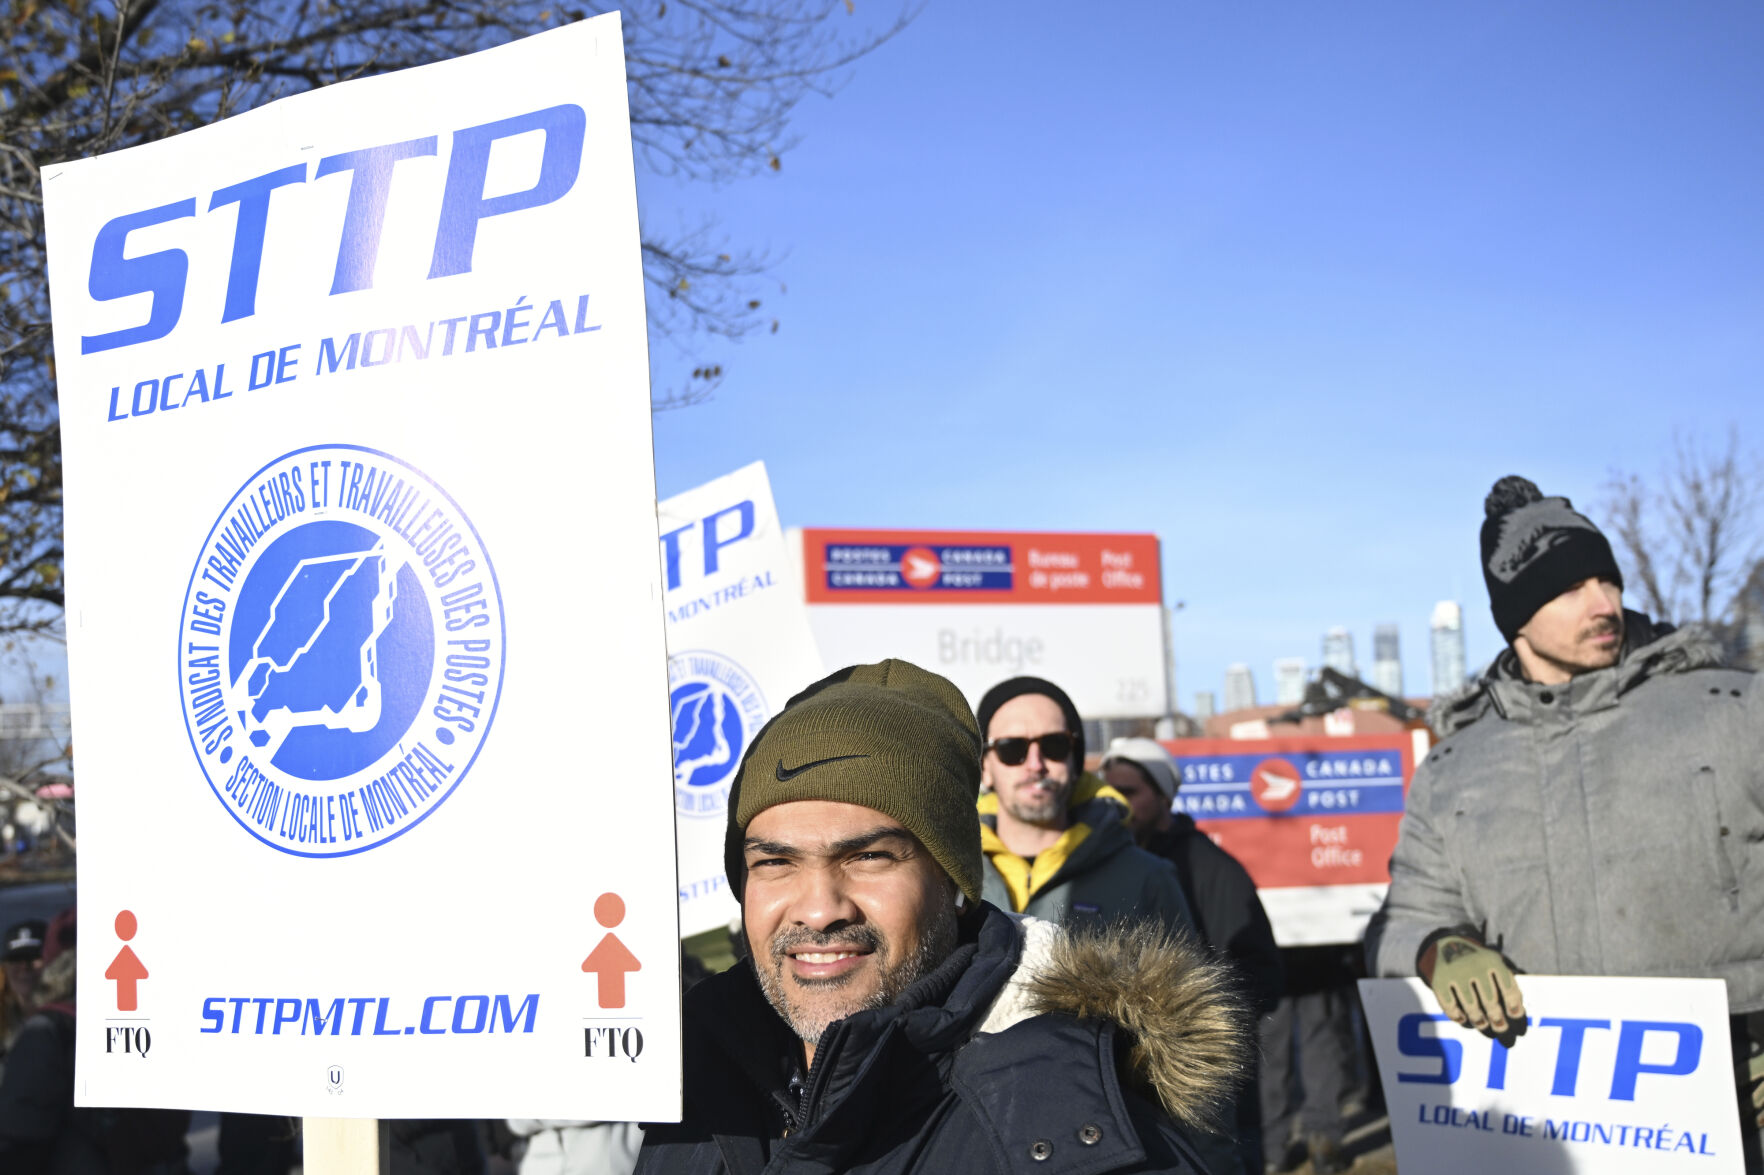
pixel 1227 912
pixel 1006 1058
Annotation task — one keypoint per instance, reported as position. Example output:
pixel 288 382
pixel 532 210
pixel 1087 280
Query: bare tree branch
pixel 1626 506
pixel 713 85
pixel 1691 539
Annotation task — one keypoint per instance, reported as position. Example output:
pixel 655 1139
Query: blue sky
pixel 1288 285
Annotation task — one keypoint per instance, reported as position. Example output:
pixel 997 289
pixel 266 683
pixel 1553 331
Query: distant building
pixel 1387 660
pixel 1449 664
pixel 1205 705
pixel 1240 688
pixel 1338 651
pixel 1289 681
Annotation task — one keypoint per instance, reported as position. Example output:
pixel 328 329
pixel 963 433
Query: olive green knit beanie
pixel 889 736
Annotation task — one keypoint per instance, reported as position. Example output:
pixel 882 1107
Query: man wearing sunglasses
pixel 1057 842
pixel 1056 839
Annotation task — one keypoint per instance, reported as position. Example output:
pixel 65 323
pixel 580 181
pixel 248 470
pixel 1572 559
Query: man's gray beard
pixel 1049 814
pixel 934 947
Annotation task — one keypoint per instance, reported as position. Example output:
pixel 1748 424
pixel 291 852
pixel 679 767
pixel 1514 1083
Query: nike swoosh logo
pixel 786 774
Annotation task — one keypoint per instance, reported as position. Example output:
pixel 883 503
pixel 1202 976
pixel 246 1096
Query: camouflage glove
pixel 1476 987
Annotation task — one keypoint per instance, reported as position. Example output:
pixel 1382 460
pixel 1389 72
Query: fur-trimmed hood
pixel 1650 649
pixel 1184 1028
pixel 1090 1052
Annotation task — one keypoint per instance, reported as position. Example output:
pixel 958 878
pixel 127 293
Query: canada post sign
pixel 918 568
pixel 1312 819
pixel 355 421
pixel 929 567
pixel 1611 1075
pixel 1085 610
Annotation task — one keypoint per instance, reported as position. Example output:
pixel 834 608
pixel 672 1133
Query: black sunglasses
pixel 1055 748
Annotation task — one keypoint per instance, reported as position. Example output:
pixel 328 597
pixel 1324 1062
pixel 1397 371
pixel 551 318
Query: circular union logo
pixel 1276 785
pixel 716 708
pixel 340 652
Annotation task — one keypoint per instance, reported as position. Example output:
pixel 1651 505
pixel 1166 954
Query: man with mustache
pixel 1056 839
pixel 888 1020
pixel 1596 806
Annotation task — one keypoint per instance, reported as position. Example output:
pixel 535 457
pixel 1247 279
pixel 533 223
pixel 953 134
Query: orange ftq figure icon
pixel 126 969
pixel 611 959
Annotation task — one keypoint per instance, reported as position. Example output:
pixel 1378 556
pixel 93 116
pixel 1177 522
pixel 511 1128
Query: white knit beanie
pixel 1148 756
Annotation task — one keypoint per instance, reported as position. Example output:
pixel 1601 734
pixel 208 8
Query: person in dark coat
pixel 887 1020
pixel 1227 913
pixel 1221 895
pixel 21 961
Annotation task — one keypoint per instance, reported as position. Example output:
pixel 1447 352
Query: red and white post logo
pixel 920 567
pixel 1276 784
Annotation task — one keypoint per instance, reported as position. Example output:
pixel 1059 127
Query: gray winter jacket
pixel 1613 825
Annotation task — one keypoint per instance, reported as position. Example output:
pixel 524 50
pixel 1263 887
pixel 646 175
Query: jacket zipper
pixel 806 1091
pixel 817 1078
pixel 792 1104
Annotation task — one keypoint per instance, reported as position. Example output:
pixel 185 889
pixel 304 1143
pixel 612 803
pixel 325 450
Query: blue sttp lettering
pixel 1629 1064
pixel 714 544
pixel 1411 1043
pixel 287 1012
pixel 1568 1058
pixel 463 203
pixel 1497 1066
pixel 671 552
pixel 161 274
pixel 359 249
pixel 253 198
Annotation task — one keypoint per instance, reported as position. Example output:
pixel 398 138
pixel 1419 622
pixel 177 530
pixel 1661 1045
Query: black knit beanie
pixel 1535 548
pixel 1016 687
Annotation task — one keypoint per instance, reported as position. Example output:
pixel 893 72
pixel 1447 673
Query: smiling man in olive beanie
pixel 1596 805
pixel 879 984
